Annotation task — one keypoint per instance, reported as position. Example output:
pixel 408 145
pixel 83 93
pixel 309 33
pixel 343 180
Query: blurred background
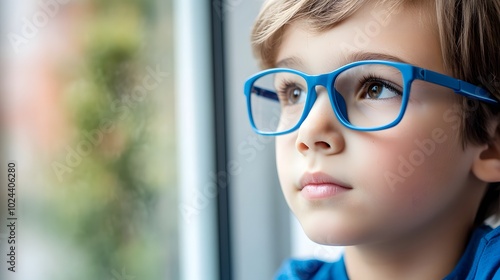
pixel 87 115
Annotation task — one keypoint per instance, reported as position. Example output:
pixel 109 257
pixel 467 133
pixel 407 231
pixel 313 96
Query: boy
pixel 388 132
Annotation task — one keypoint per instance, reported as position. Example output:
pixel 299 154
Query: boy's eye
pixel 294 95
pixel 291 94
pixel 377 89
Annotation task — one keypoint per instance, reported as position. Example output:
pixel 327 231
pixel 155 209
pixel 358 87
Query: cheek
pixel 423 143
pixel 410 170
pixel 289 163
pixel 285 149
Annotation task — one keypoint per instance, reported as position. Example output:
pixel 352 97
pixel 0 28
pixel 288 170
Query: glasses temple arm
pixel 459 86
pixel 265 93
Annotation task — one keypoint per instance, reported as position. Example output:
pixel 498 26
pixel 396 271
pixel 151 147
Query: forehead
pixel 375 31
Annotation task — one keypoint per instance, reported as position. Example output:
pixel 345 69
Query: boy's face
pixel 350 187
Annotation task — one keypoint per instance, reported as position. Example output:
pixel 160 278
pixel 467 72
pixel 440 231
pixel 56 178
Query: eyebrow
pixel 296 63
pixel 290 62
pixel 357 56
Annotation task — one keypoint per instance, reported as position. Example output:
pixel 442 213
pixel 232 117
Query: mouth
pixel 319 185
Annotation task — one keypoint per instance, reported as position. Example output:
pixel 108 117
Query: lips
pixel 320 179
pixel 320 185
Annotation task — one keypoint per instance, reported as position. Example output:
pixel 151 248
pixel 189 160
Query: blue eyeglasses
pixel 366 95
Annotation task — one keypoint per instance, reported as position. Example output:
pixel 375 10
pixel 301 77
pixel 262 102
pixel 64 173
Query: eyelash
pixel 372 78
pixel 286 85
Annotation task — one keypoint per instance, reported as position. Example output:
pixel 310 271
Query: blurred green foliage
pixel 117 205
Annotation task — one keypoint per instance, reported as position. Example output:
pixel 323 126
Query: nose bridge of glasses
pixel 322 84
pixel 317 84
pixel 319 80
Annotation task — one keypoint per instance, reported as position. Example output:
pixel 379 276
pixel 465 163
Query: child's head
pixel 435 167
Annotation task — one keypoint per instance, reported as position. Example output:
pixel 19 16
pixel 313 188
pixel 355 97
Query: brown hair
pixel 469 33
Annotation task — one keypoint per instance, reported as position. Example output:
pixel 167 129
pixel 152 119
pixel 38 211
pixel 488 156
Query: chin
pixel 328 232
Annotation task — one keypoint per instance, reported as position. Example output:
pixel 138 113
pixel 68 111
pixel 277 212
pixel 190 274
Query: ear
pixel 487 166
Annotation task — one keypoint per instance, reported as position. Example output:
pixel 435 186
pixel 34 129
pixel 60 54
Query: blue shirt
pixel 480 261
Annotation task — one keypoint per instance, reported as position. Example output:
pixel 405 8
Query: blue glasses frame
pixel 409 72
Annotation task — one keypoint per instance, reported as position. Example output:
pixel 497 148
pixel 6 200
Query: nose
pixel 320 132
